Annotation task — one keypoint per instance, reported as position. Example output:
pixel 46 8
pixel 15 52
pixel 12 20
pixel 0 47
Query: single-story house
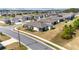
pixel 52 20
pixel 33 17
pixel 77 14
pixel 16 20
pixel 25 18
pixel 43 24
pixel 47 24
pixel 6 20
pixel 11 21
pixel 38 26
pixel 58 19
pixel 38 17
pixel 49 21
pixel 69 16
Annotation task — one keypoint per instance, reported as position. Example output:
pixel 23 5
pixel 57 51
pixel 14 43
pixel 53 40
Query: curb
pixel 18 41
pixel 44 40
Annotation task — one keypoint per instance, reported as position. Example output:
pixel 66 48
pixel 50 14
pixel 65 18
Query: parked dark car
pixel 1 47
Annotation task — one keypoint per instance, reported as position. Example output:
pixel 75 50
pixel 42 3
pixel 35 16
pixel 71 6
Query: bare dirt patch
pixel 15 46
pixel 4 37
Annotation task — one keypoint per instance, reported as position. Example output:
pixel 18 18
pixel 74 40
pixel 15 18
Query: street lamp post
pixel 19 38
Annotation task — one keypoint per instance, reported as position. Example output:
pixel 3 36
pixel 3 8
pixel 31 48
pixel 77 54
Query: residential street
pixel 33 43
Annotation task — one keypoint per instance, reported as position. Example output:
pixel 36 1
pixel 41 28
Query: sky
pixel 39 3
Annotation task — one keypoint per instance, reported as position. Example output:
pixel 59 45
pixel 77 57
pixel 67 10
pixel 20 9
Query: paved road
pixel 34 44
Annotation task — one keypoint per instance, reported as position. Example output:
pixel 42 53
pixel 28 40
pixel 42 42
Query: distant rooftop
pixel 32 8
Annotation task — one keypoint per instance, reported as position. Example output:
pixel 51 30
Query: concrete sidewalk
pixel 12 40
pixel 7 42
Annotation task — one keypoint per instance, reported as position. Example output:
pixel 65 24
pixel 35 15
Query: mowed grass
pixel 4 37
pixel 15 46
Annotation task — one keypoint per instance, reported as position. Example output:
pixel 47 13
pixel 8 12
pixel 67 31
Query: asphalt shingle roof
pixel 37 24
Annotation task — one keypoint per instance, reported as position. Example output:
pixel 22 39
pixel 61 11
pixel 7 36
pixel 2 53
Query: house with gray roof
pixel 48 23
pixel 11 20
pixel 6 20
pixel 68 16
pixel 43 24
pixel 34 17
pixel 52 20
pixel 76 14
pixel 25 18
pixel 38 26
pixel 16 20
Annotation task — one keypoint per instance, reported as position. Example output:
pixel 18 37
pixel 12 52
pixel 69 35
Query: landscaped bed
pixel 15 46
pixel 3 37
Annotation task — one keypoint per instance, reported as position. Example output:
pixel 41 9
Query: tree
pixel 36 12
pixel 67 32
pixel 13 15
pixel 71 10
pixel 71 29
pixel 1 33
pixel 76 24
pixel 32 18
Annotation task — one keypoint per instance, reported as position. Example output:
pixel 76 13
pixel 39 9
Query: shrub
pixel 31 30
pixel 1 33
pixel 76 24
pixel 66 36
pixel 67 32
